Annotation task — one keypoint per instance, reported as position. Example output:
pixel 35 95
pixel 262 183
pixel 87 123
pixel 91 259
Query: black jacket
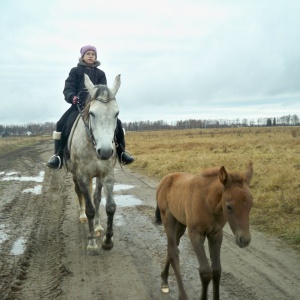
pixel 74 84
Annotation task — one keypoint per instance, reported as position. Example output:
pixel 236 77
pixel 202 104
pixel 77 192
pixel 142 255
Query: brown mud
pixel 43 244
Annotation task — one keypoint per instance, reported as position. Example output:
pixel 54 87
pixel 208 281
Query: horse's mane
pixel 210 172
pixel 235 177
pixel 89 100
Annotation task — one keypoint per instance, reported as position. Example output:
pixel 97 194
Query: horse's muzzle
pixel 104 154
pixel 243 240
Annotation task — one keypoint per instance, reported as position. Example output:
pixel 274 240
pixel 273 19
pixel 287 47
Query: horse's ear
pixel 249 173
pixel 89 85
pixel 114 89
pixel 223 176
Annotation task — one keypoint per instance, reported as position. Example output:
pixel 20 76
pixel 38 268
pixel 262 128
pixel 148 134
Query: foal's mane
pixel 234 176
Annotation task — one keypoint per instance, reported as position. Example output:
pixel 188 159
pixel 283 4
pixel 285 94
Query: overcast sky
pixel 178 59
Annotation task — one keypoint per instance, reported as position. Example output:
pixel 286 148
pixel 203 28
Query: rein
pixel 88 128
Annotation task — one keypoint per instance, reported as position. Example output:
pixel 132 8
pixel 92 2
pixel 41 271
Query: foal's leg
pixel 81 201
pixel 174 231
pixel 110 208
pixel 97 200
pixel 214 243
pixel 197 241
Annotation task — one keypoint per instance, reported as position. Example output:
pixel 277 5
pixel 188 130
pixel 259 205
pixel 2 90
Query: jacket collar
pixel 84 64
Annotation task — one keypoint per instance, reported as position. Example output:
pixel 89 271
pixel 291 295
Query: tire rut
pixel 45 270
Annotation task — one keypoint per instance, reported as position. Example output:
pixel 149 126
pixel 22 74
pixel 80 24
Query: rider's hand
pixel 76 100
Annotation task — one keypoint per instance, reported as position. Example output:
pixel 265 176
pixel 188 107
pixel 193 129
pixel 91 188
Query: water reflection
pixel 9 177
pixel 18 247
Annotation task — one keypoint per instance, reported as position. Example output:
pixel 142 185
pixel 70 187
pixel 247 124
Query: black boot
pixel 55 161
pixel 123 156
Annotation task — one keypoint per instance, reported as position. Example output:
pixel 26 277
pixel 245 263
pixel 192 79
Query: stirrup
pixel 59 162
pixel 124 162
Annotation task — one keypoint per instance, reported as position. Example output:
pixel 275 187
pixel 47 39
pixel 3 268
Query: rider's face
pixel 89 57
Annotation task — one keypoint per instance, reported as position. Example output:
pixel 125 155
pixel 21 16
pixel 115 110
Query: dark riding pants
pixel 65 123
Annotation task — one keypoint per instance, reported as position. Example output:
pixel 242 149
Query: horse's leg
pixel 82 215
pixel 214 243
pixel 197 241
pixel 97 201
pixel 174 231
pixel 110 208
pixel 85 185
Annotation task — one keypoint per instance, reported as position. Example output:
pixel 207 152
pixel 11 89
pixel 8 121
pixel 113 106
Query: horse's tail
pixel 157 215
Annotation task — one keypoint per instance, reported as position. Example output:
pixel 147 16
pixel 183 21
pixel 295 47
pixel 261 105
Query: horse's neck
pixel 72 131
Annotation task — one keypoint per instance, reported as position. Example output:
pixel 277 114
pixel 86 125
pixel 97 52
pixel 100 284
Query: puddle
pixel 119 187
pixel 18 247
pixel 9 173
pixel 36 190
pixel 3 234
pixel 124 200
pixel 9 177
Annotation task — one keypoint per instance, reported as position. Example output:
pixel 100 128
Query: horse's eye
pixel 229 207
pixel 91 114
pixel 117 114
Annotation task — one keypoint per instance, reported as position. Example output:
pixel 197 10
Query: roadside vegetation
pixel 12 143
pixel 275 153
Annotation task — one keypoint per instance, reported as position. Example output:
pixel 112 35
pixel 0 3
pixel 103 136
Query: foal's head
pixel 237 202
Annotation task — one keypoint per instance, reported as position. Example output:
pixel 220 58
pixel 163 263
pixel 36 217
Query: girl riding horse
pixel 75 93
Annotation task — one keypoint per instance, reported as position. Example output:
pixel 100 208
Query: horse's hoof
pixel 107 245
pixel 93 252
pixel 92 248
pixel 165 289
pixel 83 220
pixel 98 230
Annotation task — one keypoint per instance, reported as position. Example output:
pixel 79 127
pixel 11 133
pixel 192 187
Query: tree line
pixel 49 127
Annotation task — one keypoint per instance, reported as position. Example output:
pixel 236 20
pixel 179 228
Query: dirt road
pixel 43 245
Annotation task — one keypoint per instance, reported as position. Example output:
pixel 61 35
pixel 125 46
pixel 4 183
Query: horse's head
pixel 102 112
pixel 237 202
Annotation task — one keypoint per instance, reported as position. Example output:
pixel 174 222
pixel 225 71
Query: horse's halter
pixel 88 127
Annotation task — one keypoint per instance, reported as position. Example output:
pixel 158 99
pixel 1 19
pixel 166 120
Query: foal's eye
pixel 229 207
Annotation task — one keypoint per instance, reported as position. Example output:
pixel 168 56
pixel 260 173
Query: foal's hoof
pixel 92 248
pixel 165 289
pixel 107 245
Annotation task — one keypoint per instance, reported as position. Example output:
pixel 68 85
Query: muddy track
pixel 43 244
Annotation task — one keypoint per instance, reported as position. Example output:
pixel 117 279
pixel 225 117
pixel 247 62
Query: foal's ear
pixel 223 176
pixel 249 173
pixel 114 89
pixel 89 85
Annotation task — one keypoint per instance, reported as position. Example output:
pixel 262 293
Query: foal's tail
pixel 157 215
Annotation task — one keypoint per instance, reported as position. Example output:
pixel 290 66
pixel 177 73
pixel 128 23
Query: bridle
pixel 88 127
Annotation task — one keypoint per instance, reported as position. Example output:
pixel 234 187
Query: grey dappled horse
pixel 93 155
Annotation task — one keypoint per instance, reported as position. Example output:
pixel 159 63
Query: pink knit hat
pixel 87 48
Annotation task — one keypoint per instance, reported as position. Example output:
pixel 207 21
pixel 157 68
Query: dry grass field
pixel 12 143
pixel 275 153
